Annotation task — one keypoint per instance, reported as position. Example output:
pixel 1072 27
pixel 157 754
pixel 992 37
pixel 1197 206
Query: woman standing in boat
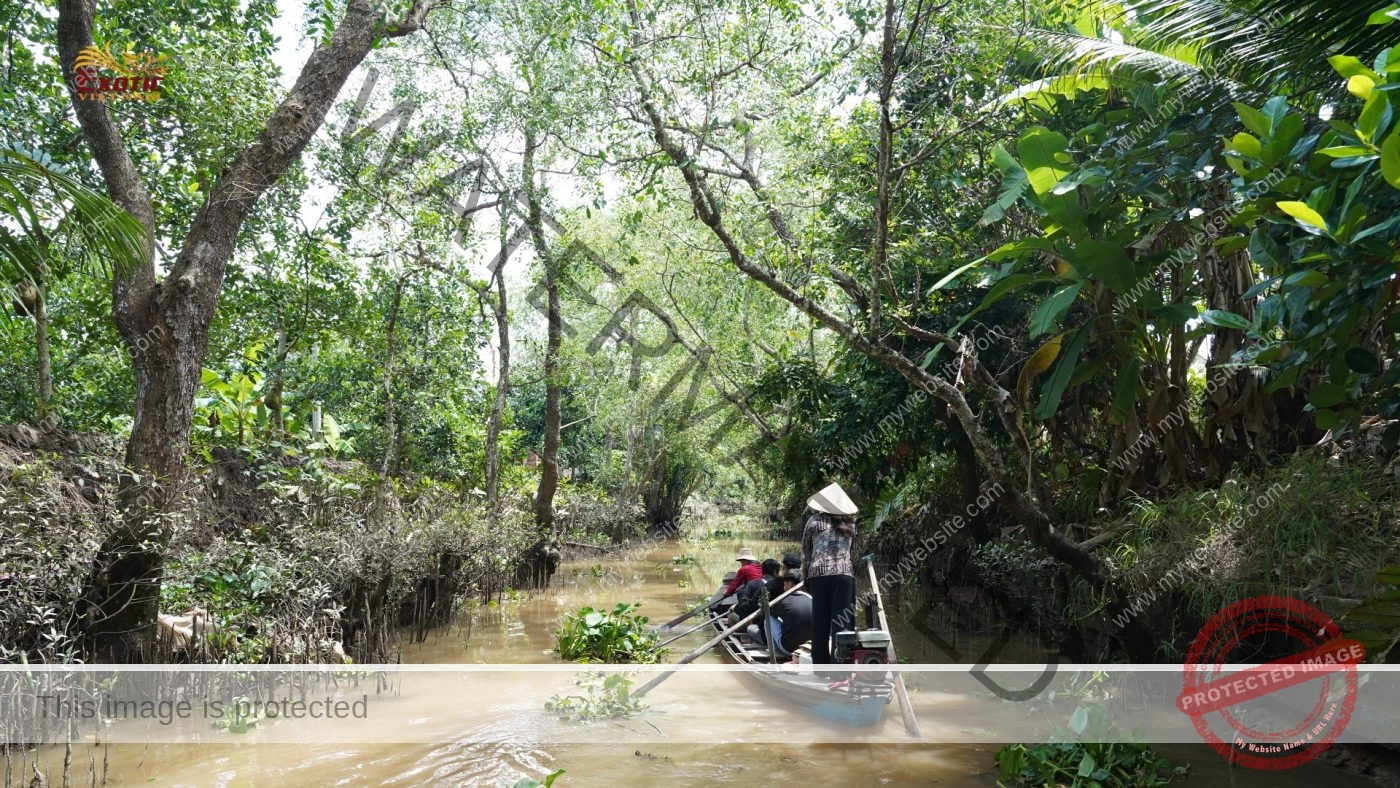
pixel 826 567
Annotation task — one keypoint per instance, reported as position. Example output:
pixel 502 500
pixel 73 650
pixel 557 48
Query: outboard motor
pixel 866 647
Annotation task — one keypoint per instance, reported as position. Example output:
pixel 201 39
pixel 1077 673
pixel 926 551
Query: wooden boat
pixel 861 702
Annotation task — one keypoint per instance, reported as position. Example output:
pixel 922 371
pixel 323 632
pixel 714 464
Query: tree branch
pixel 1026 508
pixel 131 288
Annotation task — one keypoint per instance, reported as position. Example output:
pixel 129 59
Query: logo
pixel 1320 676
pixel 99 75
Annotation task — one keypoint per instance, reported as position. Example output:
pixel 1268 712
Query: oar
pixel 708 622
pixel 719 594
pixel 660 677
pixel 906 709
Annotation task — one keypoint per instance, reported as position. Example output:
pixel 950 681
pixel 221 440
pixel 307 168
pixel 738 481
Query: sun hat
pixel 746 554
pixel 832 500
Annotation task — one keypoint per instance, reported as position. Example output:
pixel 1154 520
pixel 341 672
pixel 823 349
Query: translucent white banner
pixel 1254 708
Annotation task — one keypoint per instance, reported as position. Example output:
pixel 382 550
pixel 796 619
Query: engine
pixel 866 647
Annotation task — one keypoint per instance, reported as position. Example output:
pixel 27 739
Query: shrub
pixel 600 636
pixel 606 699
pixel 1117 765
pixel 1063 760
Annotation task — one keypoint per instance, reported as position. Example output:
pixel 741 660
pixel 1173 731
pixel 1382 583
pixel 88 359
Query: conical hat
pixel 832 500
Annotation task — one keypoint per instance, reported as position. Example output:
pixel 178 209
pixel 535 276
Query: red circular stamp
pixel 1319 651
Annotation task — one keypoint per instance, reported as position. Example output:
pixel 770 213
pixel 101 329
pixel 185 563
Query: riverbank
pixel 1315 528
pixel 481 747
pixel 282 558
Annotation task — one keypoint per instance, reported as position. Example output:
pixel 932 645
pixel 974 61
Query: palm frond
pixel 1284 41
pixel 40 202
pixel 1226 49
pixel 1076 62
pixel 1084 55
pixel 1224 33
pixel 1039 91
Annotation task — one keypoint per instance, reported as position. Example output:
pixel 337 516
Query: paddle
pixel 906 708
pixel 708 622
pixel 660 677
pixel 719 594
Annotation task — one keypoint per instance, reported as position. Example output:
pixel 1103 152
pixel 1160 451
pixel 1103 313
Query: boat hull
pixel 862 707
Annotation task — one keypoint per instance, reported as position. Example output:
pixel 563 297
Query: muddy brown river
pixel 499 751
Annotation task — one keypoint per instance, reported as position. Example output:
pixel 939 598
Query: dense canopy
pixel 461 284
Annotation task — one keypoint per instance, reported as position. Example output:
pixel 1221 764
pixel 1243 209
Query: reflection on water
pixel 496 752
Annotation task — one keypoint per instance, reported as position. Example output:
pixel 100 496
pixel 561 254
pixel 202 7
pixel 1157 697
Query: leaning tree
pixel 164 320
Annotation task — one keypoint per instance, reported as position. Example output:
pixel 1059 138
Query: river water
pixel 498 751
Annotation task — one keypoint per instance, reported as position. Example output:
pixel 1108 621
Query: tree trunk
pixel 391 431
pixel 498 406
pixel 1180 362
pixel 43 353
pixel 165 322
pixel 969 485
pixel 549 464
pixel 273 399
pixel 543 558
pixel 549 458
pixel 884 153
pixel 1239 416
pixel 126 574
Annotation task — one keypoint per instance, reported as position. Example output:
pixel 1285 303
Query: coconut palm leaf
pixel 43 208
pixel 1076 62
pixel 1223 31
pixel 1121 62
pixel 1283 44
pixel 1226 49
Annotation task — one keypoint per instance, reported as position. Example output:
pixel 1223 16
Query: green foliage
pixel 1376 621
pixel 51 541
pixel 235 407
pixel 619 635
pixel 47 209
pixel 1084 766
pixel 1090 223
pixel 1019 571
pixel 530 782
pixel 1309 526
pixel 1202 50
pixel 605 696
pixel 312 557
pixel 1324 230
pixel 1066 761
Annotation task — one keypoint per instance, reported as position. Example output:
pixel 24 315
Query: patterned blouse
pixel 824 550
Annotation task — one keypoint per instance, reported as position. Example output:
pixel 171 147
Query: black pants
pixel 833 610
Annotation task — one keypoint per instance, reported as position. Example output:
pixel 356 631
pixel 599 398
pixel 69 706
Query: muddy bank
pixel 286 558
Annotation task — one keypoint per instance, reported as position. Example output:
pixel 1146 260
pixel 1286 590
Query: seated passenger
pixel 792 564
pixel 748 570
pixel 748 595
pixel 792 617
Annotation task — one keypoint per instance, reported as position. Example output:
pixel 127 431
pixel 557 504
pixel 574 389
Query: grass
pixel 1308 529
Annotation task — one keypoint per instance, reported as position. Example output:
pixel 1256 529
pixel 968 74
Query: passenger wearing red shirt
pixel 749 569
